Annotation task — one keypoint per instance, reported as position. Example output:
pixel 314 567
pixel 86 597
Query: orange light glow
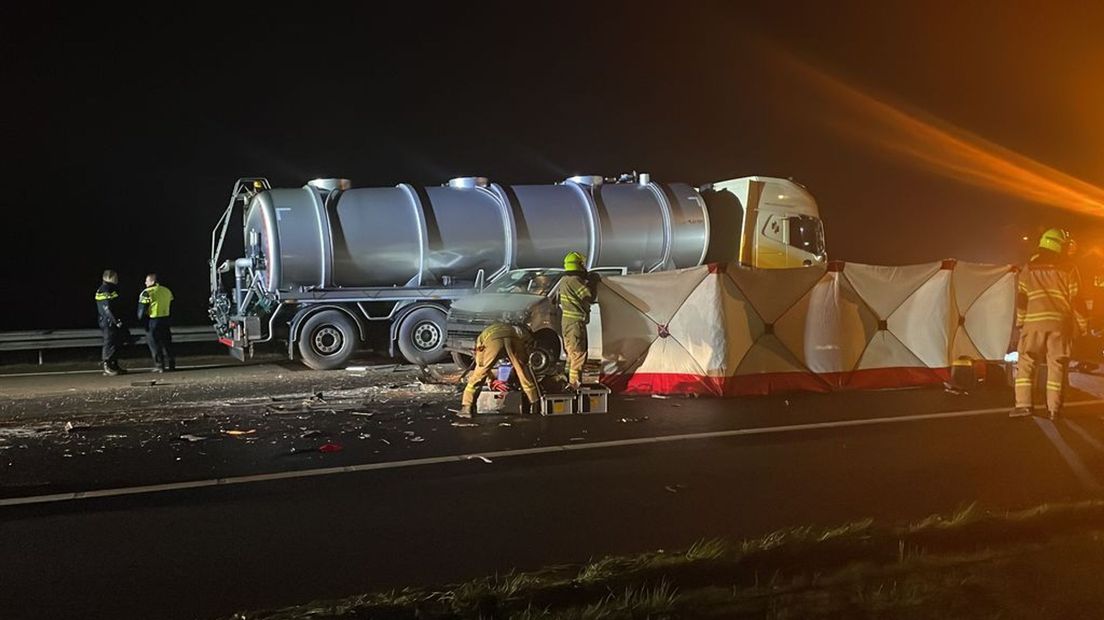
pixel 948 150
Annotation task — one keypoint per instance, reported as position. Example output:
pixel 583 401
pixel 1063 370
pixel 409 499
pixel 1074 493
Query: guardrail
pixel 44 339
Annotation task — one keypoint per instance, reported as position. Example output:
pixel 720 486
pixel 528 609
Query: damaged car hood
pixel 494 304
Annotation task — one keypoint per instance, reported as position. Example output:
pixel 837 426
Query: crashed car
pixel 524 296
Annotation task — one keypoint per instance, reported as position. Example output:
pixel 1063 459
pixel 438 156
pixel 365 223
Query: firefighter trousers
pixel 485 359
pixel 575 347
pixel 1048 347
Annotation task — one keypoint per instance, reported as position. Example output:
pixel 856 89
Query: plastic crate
pixel 557 404
pixel 592 399
pixel 499 403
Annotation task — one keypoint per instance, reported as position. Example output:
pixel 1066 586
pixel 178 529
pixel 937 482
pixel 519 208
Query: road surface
pixel 741 468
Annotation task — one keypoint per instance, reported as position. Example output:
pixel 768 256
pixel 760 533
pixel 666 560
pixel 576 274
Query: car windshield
pixel 532 282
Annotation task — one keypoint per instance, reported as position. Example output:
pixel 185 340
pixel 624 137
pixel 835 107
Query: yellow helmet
pixel 1055 240
pixel 574 262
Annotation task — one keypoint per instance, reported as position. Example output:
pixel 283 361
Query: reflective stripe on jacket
pixel 107 305
pixel 1047 297
pixel 576 295
pixel 155 302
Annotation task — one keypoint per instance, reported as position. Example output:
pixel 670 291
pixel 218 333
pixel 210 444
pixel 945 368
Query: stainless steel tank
pixel 324 235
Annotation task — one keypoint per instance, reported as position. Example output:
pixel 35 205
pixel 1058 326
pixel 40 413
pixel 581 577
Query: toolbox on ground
pixel 592 398
pixel 500 403
pixel 557 404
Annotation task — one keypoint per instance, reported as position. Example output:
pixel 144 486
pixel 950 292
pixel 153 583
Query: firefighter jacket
pixel 576 295
pixel 503 331
pixel 107 305
pixel 155 302
pixel 1048 297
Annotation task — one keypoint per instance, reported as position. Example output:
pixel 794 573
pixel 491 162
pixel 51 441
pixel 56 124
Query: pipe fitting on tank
pixel 241 266
pixel 468 182
pixel 592 180
pixel 644 178
pixel 330 184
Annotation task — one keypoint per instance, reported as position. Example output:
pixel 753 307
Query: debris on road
pixel 238 433
pixel 577 439
pixel 632 420
pixel 150 383
pixel 192 438
pixel 72 428
pixel 472 457
pixel 675 488
pixel 661 396
pixel 366 414
pixel 464 424
pixel 328 448
pixel 310 433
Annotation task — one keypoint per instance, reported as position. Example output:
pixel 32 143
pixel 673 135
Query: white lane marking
pixel 326 471
pixel 1076 465
pixel 1086 435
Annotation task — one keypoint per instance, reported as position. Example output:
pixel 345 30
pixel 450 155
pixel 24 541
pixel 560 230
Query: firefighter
pixel 498 341
pixel 1049 314
pixel 114 334
pixel 576 293
pixel 154 304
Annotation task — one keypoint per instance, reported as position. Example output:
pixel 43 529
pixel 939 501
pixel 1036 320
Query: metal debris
pixel 192 438
pixel 632 420
pixel 238 433
pixel 661 396
pixel 464 424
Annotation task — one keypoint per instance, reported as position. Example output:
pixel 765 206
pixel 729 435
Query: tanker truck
pixel 329 268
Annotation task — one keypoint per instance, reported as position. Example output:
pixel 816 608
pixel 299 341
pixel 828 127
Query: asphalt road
pixel 207 552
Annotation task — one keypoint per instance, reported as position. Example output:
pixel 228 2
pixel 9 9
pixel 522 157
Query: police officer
pixel 114 334
pixel 576 293
pixel 154 304
pixel 498 341
pixel 1049 314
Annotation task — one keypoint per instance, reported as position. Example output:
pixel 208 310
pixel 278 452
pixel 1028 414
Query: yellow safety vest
pixel 159 299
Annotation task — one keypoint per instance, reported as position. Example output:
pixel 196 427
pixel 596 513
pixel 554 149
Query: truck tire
pixel 422 336
pixel 327 340
pixel 463 361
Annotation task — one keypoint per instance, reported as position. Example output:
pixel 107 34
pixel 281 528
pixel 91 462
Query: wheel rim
pixel 539 360
pixel 426 336
pixel 327 340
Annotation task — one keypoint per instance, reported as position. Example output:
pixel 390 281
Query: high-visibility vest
pixel 159 299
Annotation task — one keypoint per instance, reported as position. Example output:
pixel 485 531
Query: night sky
pixel 123 132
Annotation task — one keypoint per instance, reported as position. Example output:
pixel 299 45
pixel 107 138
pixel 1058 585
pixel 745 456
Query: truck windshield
pixel 532 282
pixel 807 233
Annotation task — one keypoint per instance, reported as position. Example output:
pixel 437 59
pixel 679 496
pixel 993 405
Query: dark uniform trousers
pixel 113 339
pixel 159 338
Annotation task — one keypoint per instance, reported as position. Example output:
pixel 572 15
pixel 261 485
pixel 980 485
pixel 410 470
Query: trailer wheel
pixel 327 340
pixel 422 336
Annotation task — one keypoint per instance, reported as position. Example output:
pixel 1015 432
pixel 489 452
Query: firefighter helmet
pixel 574 261
pixel 1055 240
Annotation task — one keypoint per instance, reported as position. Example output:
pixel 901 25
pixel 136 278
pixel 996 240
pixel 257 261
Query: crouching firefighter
pixel 576 293
pixel 501 341
pixel 114 334
pixel 1049 314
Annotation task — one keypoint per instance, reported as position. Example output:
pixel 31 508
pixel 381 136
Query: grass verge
pixel 1042 562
